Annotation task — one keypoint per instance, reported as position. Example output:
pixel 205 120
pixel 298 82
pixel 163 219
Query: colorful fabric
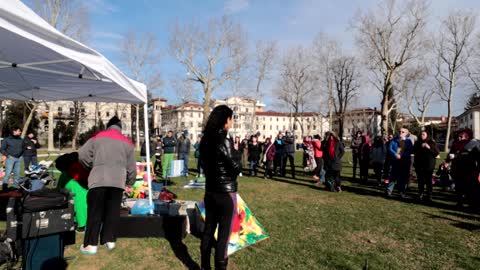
pixel 246 230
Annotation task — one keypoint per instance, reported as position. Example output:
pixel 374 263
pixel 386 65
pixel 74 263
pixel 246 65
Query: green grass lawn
pixel 313 229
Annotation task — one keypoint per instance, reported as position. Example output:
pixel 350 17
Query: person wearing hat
pixel 183 151
pixel 169 145
pixel 110 157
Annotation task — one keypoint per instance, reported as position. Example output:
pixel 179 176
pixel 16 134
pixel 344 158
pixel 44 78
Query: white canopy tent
pixel 38 63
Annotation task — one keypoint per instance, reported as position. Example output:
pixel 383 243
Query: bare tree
pixel 345 78
pixel 211 55
pixel 71 17
pixel 325 51
pixel 141 55
pixel 453 51
pixel 266 52
pixel 415 93
pixel 297 84
pixel 391 38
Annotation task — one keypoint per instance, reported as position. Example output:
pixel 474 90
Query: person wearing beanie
pixel 183 151
pixel 110 157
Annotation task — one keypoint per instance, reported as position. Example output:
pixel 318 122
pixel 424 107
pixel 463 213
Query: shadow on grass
pixel 174 236
pixel 372 189
pixel 469 214
pixel 459 224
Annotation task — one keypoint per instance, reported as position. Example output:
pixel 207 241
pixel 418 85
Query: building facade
pixel 471 119
pixel 366 120
pixel 91 113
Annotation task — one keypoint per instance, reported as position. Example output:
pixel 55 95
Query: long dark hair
pixel 214 129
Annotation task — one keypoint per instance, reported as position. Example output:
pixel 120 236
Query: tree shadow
pixel 459 224
pixel 473 216
pixel 372 189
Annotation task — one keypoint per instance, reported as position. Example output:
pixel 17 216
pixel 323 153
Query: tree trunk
pixel 29 119
pixel 76 120
pixel 449 112
pixel 206 105
pixel 137 127
pixel 340 127
pixel 51 145
pixel 384 112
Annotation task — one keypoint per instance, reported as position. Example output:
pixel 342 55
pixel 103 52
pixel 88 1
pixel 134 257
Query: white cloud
pixel 234 6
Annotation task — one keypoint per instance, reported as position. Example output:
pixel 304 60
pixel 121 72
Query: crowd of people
pixel 14 149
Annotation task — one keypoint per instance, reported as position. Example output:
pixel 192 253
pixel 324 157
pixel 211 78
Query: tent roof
pixel 37 62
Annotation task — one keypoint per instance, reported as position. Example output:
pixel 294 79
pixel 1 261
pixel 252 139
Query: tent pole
pixel 146 136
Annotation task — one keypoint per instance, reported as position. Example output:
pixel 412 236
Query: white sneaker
pixel 240 174
pixel 88 250
pixel 110 245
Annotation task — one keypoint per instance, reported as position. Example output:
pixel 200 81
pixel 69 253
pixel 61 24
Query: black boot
pixel 221 265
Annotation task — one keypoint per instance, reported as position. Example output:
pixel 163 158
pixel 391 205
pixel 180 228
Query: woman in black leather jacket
pixel 221 171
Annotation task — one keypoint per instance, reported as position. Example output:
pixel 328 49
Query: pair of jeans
pixel 199 168
pixel 332 179
pixel 377 168
pixel 103 215
pixel 356 160
pixel 399 175
pixel 185 157
pixel 220 209
pixel 278 163
pixel 424 177
pixel 268 169
pixel 29 159
pixel 157 167
pixel 319 167
pixel 290 158
pixel 12 164
pixel 253 167
pixel 167 162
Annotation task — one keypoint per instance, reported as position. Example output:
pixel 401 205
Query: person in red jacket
pixel 318 154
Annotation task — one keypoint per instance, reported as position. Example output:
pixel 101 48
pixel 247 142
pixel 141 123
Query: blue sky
pixel 289 22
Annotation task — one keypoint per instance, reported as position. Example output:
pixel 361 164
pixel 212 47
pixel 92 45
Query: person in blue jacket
pixel 401 149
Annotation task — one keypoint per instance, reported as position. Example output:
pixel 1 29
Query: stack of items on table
pixel 166 216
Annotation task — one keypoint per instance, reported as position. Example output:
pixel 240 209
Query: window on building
pixel 108 114
pixel 235 108
pixel 59 109
pixel 246 109
pixel 277 127
pixel 257 127
pixel 270 118
pixel 284 127
pixel 277 119
pixel 235 117
pixel 263 127
pixel 294 126
pixel 470 116
pixel 199 124
pixel 72 111
pixel 314 127
pixel 235 125
pixel 191 124
pixel 124 115
pixel 82 110
pixel 270 127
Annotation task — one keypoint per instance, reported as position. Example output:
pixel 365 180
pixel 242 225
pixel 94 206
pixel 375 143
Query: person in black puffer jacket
pixel 425 151
pixel 221 171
